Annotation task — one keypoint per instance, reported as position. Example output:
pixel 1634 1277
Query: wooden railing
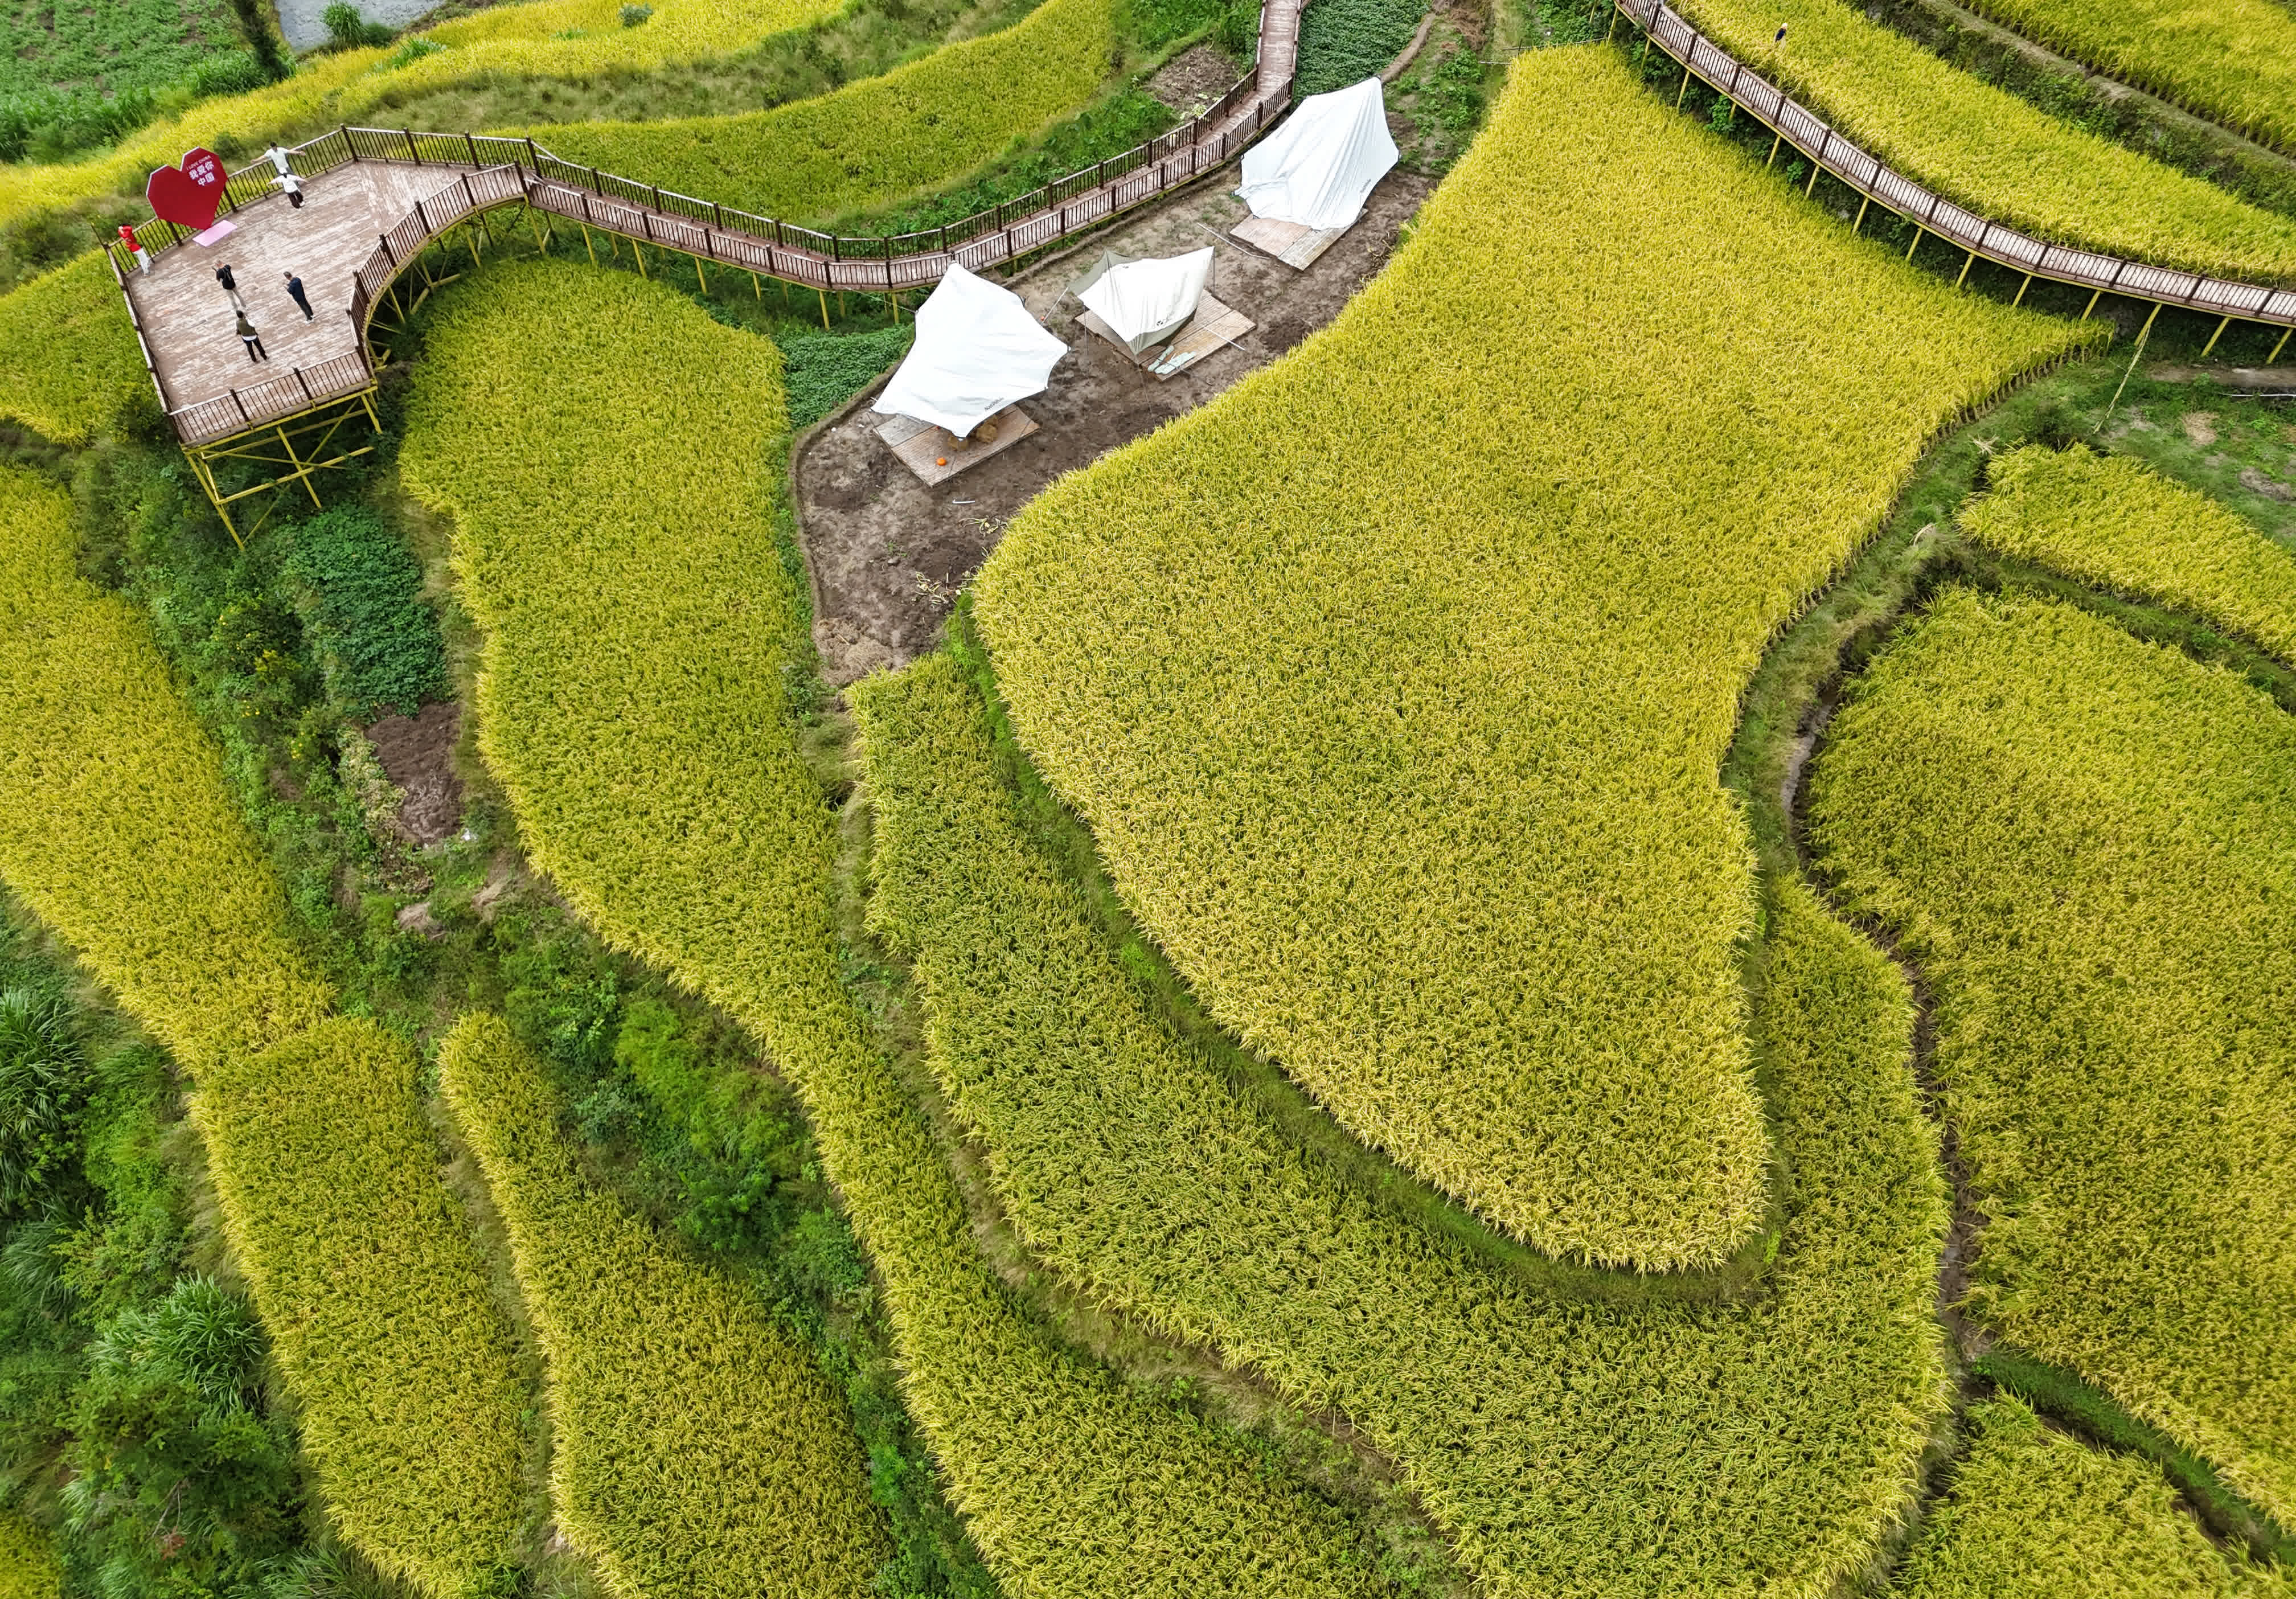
pixel 1835 152
pixel 495 171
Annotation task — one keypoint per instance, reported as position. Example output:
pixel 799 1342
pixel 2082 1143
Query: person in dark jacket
pixel 230 288
pixel 252 339
pixel 295 293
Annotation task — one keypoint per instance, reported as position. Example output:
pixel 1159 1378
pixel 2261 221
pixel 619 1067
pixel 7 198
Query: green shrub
pixel 378 642
pixel 1343 41
pixel 2033 1512
pixel 68 355
pixel 2009 161
pixel 823 371
pixel 1432 817
pixel 2111 522
pixel 44 1080
pixel 1562 1446
pixel 873 140
pixel 367 1274
pixel 697 1448
pixel 631 704
pixel 2083 840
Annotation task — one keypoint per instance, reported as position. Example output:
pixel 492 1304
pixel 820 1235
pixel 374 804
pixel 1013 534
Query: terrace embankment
pixel 888 554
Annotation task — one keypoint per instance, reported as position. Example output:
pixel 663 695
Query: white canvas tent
pixel 1144 303
pixel 978 350
pixel 1321 161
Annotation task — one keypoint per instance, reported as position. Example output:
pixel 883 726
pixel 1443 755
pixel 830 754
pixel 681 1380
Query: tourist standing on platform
pixel 293 187
pixel 252 339
pixel 278 158
pixel 231 288
pixel 142 256
pixel 295 293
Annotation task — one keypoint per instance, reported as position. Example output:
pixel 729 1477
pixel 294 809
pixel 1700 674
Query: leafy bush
pixel 823 371
pixel 68 355
pixel 379 641
pixel 367 1275
pixel 1436 824
pixel 697 1448
pixel 873 140
pixel 350 30
pixel 1562 1445
pixel 2026 168
pixel 2033 1512
pixel 667 800
pixel 2234 60
pixel 1343 41
pixel 2111 521
pixel 44 1080
pixel 2083 840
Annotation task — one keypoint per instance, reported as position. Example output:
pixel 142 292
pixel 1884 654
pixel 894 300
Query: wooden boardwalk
pixel 376 199
pixel 2228 299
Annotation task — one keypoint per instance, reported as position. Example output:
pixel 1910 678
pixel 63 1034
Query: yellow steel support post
pixel 2092 304
pixel 474 243
pixel 1966 265
pixel 206 475
pixel 1613 31
pixel 542 232
pixel 2215 336
pixel 588 246
pixel 1685 89
pixel 1814 170
pixel 1917 244
pixel 824 310
pixel 309 487
pixel 2276 348
pixel 638 251
pixel 1863 201
pixel 698 276
pixel 1773 150
pixel 2021 291
pixel 757 288
pixel 2136 356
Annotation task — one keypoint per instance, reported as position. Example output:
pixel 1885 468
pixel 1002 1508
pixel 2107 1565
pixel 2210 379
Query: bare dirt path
pixel 888 554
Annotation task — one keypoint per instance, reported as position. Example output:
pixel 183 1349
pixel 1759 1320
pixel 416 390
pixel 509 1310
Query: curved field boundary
pixel 490 172
pixel 1931 213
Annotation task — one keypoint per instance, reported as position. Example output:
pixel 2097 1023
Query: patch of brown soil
pixel 2200 427
pixel 888 554
pixel 417 753
pixel 1193 79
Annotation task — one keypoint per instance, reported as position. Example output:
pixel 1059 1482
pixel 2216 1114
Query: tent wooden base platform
pixel 1295 246
pixel 1214 326
pixel 936 455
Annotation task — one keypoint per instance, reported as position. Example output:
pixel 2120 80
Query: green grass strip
pixel 610 455
pixel 2082 838
pixel 1566 1447
pixel 120 832
pixel 697 1448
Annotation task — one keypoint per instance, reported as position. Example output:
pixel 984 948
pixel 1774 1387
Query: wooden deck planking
pixel 188 322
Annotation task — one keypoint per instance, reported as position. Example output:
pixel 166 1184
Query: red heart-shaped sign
pixel 187 195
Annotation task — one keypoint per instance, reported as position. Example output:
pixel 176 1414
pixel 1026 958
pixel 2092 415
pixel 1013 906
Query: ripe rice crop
pixel 2084 841
pixel 28 1563
pixel 2113 522
pixel 120 836
pixel 2034 1512
pixel 2232 61
pixel 696 1449
pixel 2005 160
pixel 1395 682
pixel 607 453
pixel 346 85
pixel 68 356
pixel 1564 1448
pixel 873 140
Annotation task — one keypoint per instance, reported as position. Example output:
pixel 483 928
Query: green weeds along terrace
pixel 1490 562
pixel 122 838
pixel 2083 840
pixel 697 1449
pixel 609 455
pixel 1564 1448
pixel 2004 159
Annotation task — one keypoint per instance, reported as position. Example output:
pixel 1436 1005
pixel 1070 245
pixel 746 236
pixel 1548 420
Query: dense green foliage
pixel 2232 60
pixel 2111 521
pixel 874 140
pixel 2083 840
pixel 377 641
pixel 697 1449
pixel 1343 41
pixel 823 371
pixel 2007 160
pixel 68 355
pixel 1566 1447
pixel 639 633
pixel 1314 732
pixel 2035 1513
pixel 122 839
pixel 121 45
